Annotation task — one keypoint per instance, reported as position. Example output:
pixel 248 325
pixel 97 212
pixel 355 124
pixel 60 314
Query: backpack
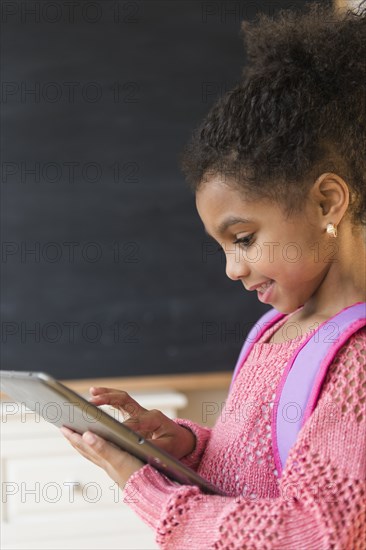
pixel 304 373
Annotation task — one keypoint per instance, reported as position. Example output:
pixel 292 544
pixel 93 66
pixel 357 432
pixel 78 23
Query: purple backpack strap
pixel 301 382
pixel 264 323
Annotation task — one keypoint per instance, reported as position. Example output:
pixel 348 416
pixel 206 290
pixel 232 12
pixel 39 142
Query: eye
pixel 245 241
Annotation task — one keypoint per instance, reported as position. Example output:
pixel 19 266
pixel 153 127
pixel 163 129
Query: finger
pixel 100 446
pixel 66 431
pixel 119 400
pixel 150 424
pixel 76 441
pixel 109 394
pixel 98 450
pixel 118 464
pixel 85 442
pixel 98 389
pixel 150 432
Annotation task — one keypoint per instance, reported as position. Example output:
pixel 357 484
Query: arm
pixel 320 501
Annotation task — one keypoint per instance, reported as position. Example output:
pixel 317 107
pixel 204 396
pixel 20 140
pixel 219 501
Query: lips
pixel 264 284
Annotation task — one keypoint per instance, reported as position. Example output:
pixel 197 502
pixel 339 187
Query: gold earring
pixel 332 230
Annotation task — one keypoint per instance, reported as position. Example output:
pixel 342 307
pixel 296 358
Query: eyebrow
pixel 231 220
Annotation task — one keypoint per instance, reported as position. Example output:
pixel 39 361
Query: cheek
pixel 276 255
pixel 293 253
pixel 284 260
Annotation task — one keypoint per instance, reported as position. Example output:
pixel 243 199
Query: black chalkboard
pixel 106 270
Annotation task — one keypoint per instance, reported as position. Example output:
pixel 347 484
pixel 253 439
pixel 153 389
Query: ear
pixel 331 196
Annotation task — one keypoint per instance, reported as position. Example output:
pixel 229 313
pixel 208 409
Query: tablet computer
pixel 61 406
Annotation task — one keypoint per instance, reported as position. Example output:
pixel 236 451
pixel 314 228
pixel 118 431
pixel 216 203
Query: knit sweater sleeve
pixel 202 436
pixel 320 503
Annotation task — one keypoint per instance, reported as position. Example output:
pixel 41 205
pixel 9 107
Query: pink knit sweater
pixel 319 501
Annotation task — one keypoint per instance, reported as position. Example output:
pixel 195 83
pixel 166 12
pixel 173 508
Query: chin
pixel 287 308
pixel 284 310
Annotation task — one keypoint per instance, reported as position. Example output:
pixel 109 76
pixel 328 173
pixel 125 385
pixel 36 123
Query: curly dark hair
pixel 299 110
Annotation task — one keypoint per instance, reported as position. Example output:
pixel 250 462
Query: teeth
pixel 264 287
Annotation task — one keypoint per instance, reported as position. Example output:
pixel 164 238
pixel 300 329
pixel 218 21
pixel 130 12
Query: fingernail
pixel 89 438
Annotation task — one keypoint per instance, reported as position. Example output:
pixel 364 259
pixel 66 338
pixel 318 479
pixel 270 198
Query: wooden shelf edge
pixel 173 382
pixel 177 382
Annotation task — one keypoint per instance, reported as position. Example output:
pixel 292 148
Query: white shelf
pixel 53 498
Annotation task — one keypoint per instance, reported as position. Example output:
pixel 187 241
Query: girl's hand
pixel 118 464
pixel 151 425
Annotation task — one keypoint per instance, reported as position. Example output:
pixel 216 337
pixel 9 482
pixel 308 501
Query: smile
pixel 264 287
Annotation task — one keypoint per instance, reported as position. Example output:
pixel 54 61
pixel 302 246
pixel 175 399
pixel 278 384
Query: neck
pixel 345 281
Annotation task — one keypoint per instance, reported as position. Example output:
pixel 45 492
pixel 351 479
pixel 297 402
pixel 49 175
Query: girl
pixel 279 172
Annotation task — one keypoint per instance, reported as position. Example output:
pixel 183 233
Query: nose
pixel 236 266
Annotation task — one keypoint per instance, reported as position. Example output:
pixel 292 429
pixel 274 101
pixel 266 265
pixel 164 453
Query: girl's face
pixel 261 246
